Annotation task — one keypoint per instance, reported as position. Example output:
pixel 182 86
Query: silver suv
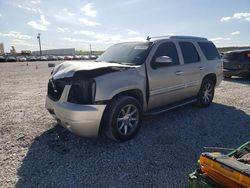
pixel 110 95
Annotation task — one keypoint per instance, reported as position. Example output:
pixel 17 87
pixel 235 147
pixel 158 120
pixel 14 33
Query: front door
pixel 165 81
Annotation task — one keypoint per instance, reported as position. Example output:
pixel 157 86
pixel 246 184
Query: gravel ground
pixel 35 152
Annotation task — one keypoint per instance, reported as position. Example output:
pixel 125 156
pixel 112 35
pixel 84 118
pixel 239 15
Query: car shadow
pixel 241 80
pixel 162 155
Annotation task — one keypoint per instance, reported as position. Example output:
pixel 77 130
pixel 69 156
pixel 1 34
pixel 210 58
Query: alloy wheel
pixel 128 119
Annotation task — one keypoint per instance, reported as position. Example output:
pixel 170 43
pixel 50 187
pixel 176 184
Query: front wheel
pixel 122 119
pixel 206 93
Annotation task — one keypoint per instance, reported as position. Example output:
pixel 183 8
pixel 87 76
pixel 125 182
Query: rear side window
pixel 189 52
pixel 167 49
pixel 209 50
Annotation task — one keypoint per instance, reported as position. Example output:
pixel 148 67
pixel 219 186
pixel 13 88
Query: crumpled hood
pixel 68 68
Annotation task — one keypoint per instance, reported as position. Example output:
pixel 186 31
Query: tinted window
pixel 167 49
pixel 189 52
pixel 231 56
pixel 209 50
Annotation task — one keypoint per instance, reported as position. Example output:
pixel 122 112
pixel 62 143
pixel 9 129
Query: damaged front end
pixel 71 96
pixel 82 85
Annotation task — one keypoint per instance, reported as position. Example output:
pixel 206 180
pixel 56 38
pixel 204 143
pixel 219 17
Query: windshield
pixel 126 53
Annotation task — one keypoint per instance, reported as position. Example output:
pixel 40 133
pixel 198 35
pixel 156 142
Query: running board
pixel 169 107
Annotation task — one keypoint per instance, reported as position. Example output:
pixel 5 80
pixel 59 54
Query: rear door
pixel 165 81
pixel 192 68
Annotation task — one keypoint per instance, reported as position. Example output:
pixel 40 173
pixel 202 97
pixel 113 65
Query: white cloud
pixel 225 19
pixel 41 24
pixel 131 39
pixel 85 32
pixel 37 26
pixel 237 16
pixel 19 42
pixel 60 29
pixel 241 15
pixel 15 35
pixel 248 19
pixel 88 10
pixel 35 1
pixel 104 38
pixel 88 22
pixel 77 40
pixel 17 38
pixel 132 32
pixel 235 33
pixel 219 39
pixel 0 15
pixel 43 20
pixel 37 10
pixel 100 37
pixel 70 14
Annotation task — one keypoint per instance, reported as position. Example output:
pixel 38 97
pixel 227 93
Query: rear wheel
pixel 122 119
pixel 206 93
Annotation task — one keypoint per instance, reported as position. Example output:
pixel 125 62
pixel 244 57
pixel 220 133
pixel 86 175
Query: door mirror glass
pixel 164 60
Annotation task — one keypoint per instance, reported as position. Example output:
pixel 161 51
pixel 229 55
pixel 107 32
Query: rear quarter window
pixel 209 50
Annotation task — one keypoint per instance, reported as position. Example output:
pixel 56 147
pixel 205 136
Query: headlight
pixel 82 92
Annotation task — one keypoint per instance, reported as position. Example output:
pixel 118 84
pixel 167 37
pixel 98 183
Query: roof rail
pixel 176 37
pixel 188 37
pixel 156 37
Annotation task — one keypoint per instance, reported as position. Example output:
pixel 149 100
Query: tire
pixel 122 118
pixel 206 93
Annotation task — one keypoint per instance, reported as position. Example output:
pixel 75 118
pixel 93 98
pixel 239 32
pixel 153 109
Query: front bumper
pixel 83 120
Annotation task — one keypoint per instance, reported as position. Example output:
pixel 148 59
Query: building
pixel 65 51
pixel 1 49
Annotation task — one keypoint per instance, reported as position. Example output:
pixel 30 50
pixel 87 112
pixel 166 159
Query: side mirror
pixel 163 60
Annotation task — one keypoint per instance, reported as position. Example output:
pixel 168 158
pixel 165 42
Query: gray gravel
pixel 35 152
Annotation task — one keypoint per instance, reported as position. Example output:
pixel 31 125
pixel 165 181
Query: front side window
pixel 189 52
pixel 167 49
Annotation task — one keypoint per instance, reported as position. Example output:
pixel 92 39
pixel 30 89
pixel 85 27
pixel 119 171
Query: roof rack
pixel 176 37
pixel 156 37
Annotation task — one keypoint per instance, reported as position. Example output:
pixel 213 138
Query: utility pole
pixel 90 49
pixel 39 40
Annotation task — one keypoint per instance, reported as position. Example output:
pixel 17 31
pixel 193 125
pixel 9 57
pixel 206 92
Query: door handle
pixel 201 68
pixel 178 73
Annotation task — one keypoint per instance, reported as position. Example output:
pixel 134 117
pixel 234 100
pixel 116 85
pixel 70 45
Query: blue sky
pixel 76 23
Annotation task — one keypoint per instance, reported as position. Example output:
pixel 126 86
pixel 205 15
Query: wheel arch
pixel 211 76
pixel 136 93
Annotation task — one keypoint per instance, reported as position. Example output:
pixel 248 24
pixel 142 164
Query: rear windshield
pixel 209 50
pixel 232 56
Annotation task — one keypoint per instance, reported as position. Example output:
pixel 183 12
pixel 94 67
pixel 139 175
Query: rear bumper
pixel 230 72
pixel 83 120
pixel 219 79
